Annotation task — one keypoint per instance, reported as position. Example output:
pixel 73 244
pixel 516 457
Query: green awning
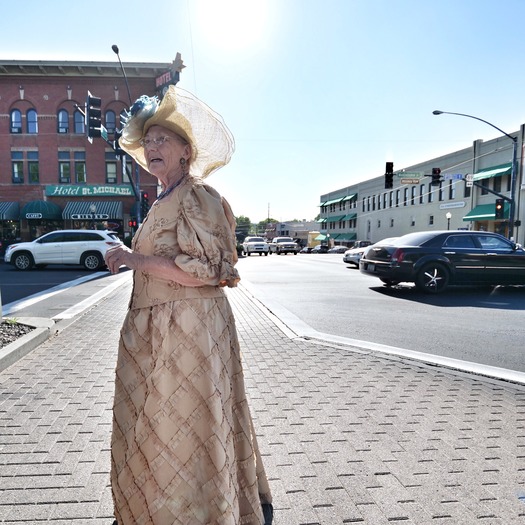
pixel 350 216
pixel 41 210
pixel 320 237
pixel 485 212
pixel 9 211
pixel 333 201
pixel 495 171
pixel 101 210
pixel 337 218
pixel 321 220
pixel 350 197
pixel 347 236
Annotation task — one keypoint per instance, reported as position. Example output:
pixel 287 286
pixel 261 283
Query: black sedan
pixel 437 259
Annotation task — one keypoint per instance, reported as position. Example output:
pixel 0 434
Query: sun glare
pixel 232 24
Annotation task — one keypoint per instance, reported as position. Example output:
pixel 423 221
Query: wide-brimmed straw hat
pixel 181 112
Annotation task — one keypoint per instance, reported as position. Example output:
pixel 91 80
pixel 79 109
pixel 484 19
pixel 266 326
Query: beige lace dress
pixel 183 446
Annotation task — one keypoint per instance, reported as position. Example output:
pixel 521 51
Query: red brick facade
pixel 47 88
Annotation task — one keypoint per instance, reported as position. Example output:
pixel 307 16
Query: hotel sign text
pixel 107 190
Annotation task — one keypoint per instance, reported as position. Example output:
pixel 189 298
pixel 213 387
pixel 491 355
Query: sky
pixel 318 94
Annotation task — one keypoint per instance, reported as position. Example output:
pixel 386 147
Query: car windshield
pixel 255 239
pixel 285 239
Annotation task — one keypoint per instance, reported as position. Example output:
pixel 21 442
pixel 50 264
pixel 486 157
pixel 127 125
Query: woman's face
pixel 164 157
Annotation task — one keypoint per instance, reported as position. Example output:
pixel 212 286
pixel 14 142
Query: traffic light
pixel 389 176
pixel 499 211
pixel 144 203
pixel 93 116
pixel 132 223
pixel 436 176
pixel 119 152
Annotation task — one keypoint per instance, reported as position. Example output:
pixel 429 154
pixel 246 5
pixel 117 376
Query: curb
pixel 43 329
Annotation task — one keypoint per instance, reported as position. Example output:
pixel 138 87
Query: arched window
pixel 63 121
pixel 32 121
pixel 110 121
pixel 16 121
pixel 79 122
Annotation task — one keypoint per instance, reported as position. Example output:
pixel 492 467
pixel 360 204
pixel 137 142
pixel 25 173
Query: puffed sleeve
pixel 206 236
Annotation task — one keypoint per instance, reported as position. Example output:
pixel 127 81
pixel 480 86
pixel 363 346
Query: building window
pixel 79 122
pixel 405 197
pixel 441 192
pixel 111 121
pixel 378 223
pixel 421 194
pixel 413 196
pixel 497 184
pixel 111 168
pixel 17 167
pixel 485 184
pixel 64 167
pixel 16 121
pixel 391 199
pixel 32 121
pixel 466 193
pixel 452 190
pixel 430 220
pixel 63 121
pixel 430 193
pixel 32 167
pixel 80 167
pixel 391 223
pixel 385 200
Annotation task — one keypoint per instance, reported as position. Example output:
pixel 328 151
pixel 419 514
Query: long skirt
pixel 183 447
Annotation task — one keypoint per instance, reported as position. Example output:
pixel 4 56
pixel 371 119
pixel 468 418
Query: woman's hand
pixel 120 256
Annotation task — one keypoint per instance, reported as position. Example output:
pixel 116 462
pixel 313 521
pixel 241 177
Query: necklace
pixel 169 189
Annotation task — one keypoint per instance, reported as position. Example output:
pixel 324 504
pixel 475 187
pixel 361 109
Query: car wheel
pixel 266 253
pixel 432 278
pixel 92 261
pixel 248 253
pixel 23 261
pixel 260 253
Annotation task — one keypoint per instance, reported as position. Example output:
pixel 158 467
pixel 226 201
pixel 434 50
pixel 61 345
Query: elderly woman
pixel 183 447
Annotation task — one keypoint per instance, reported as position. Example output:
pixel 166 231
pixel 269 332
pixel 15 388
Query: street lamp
pixel 448 215
pixel 513 173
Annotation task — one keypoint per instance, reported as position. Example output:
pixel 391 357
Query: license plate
pixel 370 267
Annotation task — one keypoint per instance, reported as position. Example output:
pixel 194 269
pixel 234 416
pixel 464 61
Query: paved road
pixel 472 324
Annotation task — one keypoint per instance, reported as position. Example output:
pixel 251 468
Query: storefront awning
pixel 41 210
pixel 495 171
pixel 321 220
pixel 347 237
pixel 485 212
pixel 333 201
pixel 350 197
pixel 9 211
pixel 350 216
pixel 320 237
pixel 337 218
pixel 93 210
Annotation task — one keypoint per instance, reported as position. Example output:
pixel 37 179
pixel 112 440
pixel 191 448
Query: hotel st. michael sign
pixel 100 190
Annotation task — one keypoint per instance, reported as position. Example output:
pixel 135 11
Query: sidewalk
pixel 348 435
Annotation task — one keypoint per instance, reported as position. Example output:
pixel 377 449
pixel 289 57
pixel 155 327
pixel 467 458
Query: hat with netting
pixel 183 113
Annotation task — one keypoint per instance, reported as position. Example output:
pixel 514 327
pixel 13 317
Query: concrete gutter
pixel 43 329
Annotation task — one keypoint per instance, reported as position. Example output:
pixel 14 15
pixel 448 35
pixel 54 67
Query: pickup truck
pixel 255 245
pixel 284 245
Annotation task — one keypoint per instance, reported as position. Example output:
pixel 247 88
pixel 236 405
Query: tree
pixel 261 226
pixel 243 228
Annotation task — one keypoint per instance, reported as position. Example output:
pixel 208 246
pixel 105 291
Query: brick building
pixel 51 176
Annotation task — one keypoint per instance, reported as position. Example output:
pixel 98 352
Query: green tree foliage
pixel 261 226
pixel 243 228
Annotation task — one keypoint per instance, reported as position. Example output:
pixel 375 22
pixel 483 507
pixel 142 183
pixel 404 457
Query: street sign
pixel 410 174
pixel 409 181
pixel 453 176
pixel 469 178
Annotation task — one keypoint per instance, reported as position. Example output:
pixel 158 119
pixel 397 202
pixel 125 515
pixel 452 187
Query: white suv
pixel 255 245
pixel 84 247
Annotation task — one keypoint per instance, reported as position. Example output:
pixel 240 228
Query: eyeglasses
pixel 159 141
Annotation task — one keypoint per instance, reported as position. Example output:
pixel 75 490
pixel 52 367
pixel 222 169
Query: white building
pixel 369 211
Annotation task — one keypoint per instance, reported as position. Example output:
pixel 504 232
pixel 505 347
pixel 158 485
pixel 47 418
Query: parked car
pixel 436 259
pixel 306 249
pixel 320 248
pixel 354 254
pixel 255 245
pixel 284 245
pixel 82 247
pixel 337 249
